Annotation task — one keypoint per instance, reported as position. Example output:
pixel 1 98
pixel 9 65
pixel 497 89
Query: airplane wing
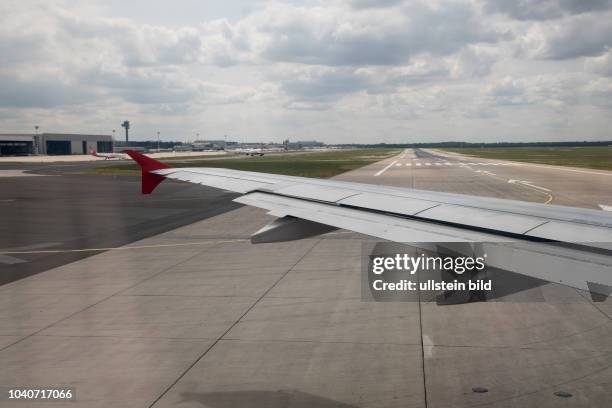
pixel 572 246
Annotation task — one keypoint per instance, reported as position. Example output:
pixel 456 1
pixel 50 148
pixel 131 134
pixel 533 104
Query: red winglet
pixel 147 165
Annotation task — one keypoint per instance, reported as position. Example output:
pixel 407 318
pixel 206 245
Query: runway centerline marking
pixel 385 169
pixel 605 207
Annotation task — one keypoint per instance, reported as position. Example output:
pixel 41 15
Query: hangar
pixel 20 144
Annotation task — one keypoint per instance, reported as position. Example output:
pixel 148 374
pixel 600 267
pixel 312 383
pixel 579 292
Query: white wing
pixel 554 243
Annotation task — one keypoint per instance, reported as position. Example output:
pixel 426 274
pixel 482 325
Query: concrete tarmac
pixel 199 317
pixel 51 220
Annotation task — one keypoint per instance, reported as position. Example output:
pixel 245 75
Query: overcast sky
pixel 338 71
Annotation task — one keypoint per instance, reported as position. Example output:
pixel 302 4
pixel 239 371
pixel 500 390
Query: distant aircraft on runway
pixel 570 246
pixel 251 152
pixel 107 156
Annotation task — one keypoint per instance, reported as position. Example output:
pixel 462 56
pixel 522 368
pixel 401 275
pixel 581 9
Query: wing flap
pixel 575 233
pixel 388 203
pixel 314 192
pixel 377 225
pixel 481 218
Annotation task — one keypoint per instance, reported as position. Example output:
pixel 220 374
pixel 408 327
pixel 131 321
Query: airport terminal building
pixel 20 144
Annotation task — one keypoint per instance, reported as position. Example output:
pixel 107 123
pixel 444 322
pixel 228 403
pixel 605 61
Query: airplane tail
pixel 147 165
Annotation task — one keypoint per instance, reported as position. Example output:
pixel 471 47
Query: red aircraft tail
pixel 147 165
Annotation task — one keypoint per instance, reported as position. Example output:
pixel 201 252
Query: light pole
pixel 157 142
pixel 36 141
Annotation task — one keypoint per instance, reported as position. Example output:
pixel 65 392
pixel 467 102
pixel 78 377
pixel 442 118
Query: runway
pixel 196 316
pixel 440 171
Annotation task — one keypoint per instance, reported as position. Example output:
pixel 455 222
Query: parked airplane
pixel 107 156
pixel 570 246
pixel 252 152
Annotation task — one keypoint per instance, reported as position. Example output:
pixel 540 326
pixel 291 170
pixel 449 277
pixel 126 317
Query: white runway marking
pixel 385 169
pixel 18 173
pixel 418 164
pixel 544 166
pixel 398 164
pixel 605 207
pixel 10 260
pixel 408 164
pixel 534 186
pixel 428 346
pixel 527 183
pixel 539 189
pixel 124 248
pixel 428 164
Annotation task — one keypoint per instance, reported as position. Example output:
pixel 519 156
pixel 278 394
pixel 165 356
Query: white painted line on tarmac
pixel 398 164
pixel 428 164
pixel 408 164
pixel 605 207
pixel 428 346
pixel 527 183
pixel 18 173
pixel 418 164
pixel 534 186
pixel 385 169
pixel 539 189
pixel 124 248
pixel 10 260
pixel 544 166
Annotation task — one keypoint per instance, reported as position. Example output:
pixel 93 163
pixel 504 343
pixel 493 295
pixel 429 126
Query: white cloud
pixel 601 65
pixel 309 69
pixel 340 35
pixel 571 37
pixel 545 9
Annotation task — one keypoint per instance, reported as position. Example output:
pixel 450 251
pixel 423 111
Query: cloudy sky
pixel 339 71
